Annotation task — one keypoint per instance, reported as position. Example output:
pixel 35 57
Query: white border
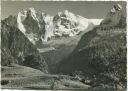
pixel 55 0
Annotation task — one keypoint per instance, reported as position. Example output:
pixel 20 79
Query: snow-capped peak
pixel 32 9
pixel 42 26
pixel 66 12
pixel 33 13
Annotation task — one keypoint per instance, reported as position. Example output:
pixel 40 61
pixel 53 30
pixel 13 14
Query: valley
pixel 66 51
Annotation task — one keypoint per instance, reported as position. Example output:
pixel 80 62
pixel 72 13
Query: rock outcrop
pixel 114 18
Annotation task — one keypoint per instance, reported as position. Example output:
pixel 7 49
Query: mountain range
pixel 40 26
pixel 67 43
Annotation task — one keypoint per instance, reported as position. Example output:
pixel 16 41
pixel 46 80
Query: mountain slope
pixel 16 48
pixel 100 54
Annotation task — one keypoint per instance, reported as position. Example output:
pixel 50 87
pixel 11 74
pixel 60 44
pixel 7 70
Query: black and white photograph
pixel 63 45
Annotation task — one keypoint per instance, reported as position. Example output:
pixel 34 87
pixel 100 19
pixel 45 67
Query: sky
pixel 87 9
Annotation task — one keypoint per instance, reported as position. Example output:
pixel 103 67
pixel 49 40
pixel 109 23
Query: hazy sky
pixel 88 9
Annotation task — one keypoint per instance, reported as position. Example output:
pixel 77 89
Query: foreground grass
pixel 21 77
